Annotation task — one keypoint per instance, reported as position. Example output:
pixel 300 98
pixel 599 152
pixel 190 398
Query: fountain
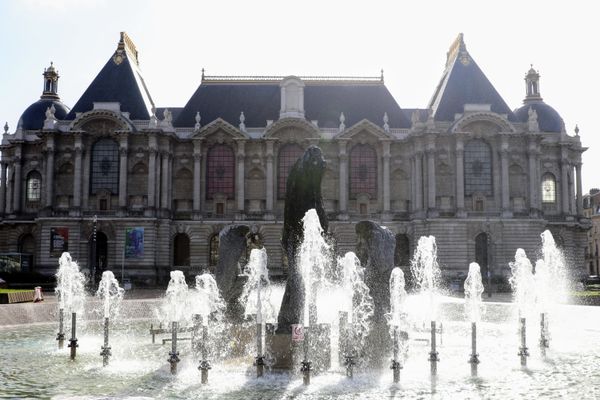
pixel 208 308
pixel 174 312
pixel 110 295
pixel 397 320
pixel 426 274
pixel 70 291
pixel 522 283
pixel 473 291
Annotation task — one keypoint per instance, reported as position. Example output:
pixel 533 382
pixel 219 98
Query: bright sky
pixel 408 40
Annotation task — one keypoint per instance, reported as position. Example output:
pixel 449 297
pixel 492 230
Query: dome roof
pixel 548 118
pixel 34 116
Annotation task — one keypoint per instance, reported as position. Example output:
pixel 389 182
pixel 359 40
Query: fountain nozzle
pixel 349 363
pixel 305 369
pixel 396 367
pixel 204 367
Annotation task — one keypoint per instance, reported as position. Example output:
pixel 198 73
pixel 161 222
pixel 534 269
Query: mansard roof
pixel 324 100
pixel 119 81
pixel 462 83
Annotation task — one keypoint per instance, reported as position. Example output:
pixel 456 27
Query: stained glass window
pixel 288 155
pixel 220 175
pixel 105 166
pixel 363 171
pixel 478 168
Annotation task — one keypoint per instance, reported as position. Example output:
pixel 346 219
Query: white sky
pixel 408 40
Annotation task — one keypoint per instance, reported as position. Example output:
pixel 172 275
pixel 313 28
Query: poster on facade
pixel 134 242
pixel 59 241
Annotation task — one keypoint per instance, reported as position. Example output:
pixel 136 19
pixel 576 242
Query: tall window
pixel 482 243
pixel 220 176
pixel 105 166
pixel 213 250
pixel 548 189
pixel 478 168
pixel 181 250
pixel 34 188
pixel 363 171
pixel 288 155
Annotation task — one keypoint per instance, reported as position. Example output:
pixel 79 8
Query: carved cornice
pixel 123 123
pixel 491 117
pixel 289 122
pixel 216 125
pixel 364 125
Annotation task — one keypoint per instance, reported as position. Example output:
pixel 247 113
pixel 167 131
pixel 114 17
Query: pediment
pixel 285 124
pixel 219 125
pixel 101 122
pixel 364 126
pixel 476 122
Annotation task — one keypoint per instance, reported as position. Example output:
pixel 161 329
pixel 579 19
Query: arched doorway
pixel 27 248
pixel 482 254
pixel 181 250
pixel 100 264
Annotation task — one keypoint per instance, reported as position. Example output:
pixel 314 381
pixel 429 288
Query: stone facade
pixel 591 209
pixel 426 183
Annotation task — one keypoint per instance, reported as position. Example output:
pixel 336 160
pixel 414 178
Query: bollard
pixel 105 353
pixel 60 336
pixel 173 354
pixel 73 341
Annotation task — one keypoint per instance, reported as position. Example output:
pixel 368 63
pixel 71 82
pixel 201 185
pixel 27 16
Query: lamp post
pixel 93 269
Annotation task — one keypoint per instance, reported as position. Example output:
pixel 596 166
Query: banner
pixel 59 241
pixel 297 333
pixel 134 242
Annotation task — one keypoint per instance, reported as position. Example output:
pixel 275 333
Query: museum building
pixel 163 181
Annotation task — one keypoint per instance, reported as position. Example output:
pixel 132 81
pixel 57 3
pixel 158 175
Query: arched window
pixel 220 176
pixel 105 166
pixel 34 188
pixel 363 171
pixel 288 155
pixel 548 189
pixel 213 250
pixel 181 250
pixel 478 168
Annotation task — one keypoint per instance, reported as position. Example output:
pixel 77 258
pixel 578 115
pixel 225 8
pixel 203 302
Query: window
pixel 288 155
pixel 220 177
pixel 482 244
pixel 213 250
pixel 34 188
pixel 402 251
pixel 181 250
pixel 478 168
pixel 363 171
pixel 105 166
pixel 548 189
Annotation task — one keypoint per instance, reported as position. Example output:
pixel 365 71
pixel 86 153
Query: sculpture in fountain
pixel 303 192
pixel 375 249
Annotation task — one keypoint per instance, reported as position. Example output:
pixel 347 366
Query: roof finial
pixel 242 124
pixel 342 124
pixel 576 130
pixel 381 74
pixel 202 73
pixel 198 118
pixel 6 128
pixel 386 126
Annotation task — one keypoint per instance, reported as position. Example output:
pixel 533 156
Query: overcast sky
pixel 408 39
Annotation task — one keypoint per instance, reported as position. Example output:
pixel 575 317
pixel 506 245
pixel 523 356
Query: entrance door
pixel 100 264
pixel 482 254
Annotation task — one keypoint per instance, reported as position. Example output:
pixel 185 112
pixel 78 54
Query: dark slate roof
pixel 121 83
pixel 548 118
pixel 463 83
pixel 34 116
pixel 323 101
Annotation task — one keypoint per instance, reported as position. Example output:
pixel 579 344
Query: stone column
pixel 240 178
pixel 170 183
pixel 269 157
pixel 49 192
pixel 579 189
pixel 123 167
pixel 152 183
pixel 419 180
pixel 431 178
pixel 460 177
pixel 534 181
pixel 17 185
pixel 343 165
pixel 564 169
pixel 9 191
pixel 164 181
pixel 85 189
pixel 2 186
pixel 386 175
pixel 505 177
pixel 197 175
